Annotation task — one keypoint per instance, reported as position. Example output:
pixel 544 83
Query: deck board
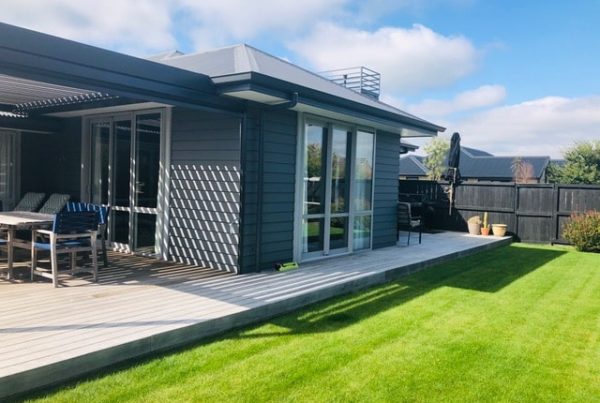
pixel 140 306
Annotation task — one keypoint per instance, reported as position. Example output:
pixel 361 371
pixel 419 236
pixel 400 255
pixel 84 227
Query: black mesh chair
pixel 55 204
pixel 407 222
pixel 30 202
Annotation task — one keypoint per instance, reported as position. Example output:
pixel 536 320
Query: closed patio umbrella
pixel 453 174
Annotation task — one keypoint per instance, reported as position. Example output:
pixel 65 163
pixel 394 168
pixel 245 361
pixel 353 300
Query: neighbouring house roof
pixel 412 165
pixel 406 147
pixel 473 152
pixel 246 72
pixel 478 164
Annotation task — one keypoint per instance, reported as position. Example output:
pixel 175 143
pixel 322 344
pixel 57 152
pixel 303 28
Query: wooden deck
pixel 140 306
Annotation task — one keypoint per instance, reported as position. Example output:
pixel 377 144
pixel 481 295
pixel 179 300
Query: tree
pixel 582 165
pixel 435 161
pixel 523 171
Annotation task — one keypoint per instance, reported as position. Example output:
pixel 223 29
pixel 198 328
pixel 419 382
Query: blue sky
pixel 513 77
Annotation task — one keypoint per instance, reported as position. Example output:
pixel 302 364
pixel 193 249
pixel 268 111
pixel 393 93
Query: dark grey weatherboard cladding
pixel 386 189
pixel 268 220
pixel 204 201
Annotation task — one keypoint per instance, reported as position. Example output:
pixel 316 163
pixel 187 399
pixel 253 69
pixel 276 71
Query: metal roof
pixel 412 165
pixel 21 95
pixel 64 71
pixel 239 59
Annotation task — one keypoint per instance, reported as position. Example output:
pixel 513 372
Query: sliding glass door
pixel 333 221
pixel 8 169
pixel 125 154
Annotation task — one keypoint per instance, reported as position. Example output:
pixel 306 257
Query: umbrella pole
pixel 451 191
pixel 450 196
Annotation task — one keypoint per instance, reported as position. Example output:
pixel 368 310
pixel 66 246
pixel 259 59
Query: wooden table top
pixel 24 217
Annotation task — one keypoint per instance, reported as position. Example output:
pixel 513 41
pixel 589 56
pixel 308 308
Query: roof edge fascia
pixel 230 82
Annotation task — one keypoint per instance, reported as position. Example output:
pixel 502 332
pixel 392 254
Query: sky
pixel 512 77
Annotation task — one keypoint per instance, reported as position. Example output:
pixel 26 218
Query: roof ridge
pixel 244 59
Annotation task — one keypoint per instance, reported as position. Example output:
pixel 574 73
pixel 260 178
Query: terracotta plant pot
pixel 474 228
pixel 485 231
pixel 499 229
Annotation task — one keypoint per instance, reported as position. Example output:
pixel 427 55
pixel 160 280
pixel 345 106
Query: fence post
pixel 516 208
pixel 555 208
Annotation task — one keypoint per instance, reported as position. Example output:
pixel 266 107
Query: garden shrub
pixel 583 231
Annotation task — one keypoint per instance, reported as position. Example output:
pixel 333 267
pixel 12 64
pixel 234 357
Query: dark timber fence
pixel 533 212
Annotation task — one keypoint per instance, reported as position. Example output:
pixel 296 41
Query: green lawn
pixel 520 323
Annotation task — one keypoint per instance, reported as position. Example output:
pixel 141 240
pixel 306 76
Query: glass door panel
pixel 145 228
pixel 147 159
pixel 119 227
pixel 326 189
pixel 363 190
pixel 145 180
pixel 122 163
pixel 338 233
pixel 313 240
pixel 100 154
pixel 339 170
pixel 363 171
pixel 125 157
pixel 315 174
pixel 315 155
pixel 362 232
pixel 8 177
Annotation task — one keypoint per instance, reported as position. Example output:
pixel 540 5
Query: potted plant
pixel 499 229
pixel 474 224
pixel 485 227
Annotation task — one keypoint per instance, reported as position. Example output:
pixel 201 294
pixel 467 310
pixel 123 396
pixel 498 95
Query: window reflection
pixel 363 171
pixel 314 170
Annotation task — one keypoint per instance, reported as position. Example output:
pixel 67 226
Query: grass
pixel 519 323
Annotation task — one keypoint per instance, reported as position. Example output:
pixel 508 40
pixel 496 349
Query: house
pixel 477 165
pixel 232 159
pixel 407 147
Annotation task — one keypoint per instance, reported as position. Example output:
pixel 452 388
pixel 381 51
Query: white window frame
pixel 299 255
pixel 161 210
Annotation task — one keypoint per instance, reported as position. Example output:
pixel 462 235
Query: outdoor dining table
pixel 13 220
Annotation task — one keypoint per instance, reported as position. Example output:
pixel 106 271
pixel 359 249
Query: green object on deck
pixel 287 266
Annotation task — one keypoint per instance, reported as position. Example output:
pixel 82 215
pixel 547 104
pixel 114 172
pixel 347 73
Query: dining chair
pixel 407 221
pixel 103 212
pixel 71 232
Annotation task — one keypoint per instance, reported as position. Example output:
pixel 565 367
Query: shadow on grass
pixel 485 272
pixel 488 272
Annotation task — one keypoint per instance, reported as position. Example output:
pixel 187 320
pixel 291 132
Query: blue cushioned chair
pixel 103 212
pixel 72 232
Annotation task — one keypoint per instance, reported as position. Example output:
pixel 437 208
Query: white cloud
pixel 408 59
pixel 484 96
pixel 220 22
pixel 144 27
pixel 139 27
pixel 544 126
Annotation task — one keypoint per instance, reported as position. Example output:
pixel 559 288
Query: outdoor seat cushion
pixel 63 244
